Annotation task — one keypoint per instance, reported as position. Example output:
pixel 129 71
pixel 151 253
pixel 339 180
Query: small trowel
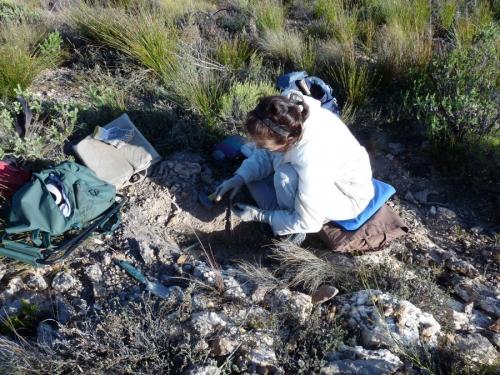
pixel 207 201
pixel 154 287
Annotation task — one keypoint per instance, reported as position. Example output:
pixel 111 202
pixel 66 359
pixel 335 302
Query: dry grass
pixel 142 338
pixel 399 49
pixel 259 275
pixel 303 268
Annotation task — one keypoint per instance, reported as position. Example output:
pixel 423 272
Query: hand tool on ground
pixel 205 200
pixel 154 287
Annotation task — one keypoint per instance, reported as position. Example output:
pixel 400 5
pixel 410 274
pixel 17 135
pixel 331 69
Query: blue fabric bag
pixel 319 89
pixel 383 192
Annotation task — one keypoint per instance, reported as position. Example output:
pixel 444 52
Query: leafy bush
pixel 11 11
pixel 306 349
pixel 45 138
pixel 242 98
pixel 102 95
pixel 142 338
pixel 23 57
pixel 457 101
pixel 469 23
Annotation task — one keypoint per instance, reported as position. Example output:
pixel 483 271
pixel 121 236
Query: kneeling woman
pixel 307 168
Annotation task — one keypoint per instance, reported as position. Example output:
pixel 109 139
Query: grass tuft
pixel 199 89
pixel 142 34
pixel 303 268
pixel 259 275
pixel 24 55
pixel 354 80
pixel 269 15
pixel 234 53
pixel 292 48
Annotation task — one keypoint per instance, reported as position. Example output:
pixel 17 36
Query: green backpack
pixel 86 203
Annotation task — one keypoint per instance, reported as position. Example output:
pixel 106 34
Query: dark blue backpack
pixel 316 87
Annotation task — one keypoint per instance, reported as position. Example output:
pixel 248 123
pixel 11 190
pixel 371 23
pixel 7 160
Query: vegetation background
pixel 420 72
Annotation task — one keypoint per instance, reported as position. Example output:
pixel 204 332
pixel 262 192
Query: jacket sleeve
pixel 308 214
pixel 258 166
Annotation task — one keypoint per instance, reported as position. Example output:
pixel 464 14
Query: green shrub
pixel 234 53
pixel 470 22
pixel 199 89
pixel 446 13
pixel 458 100
pixel 354 80
pixel 242 98
pixel 102 95
pixel 23 57
pixel 292 48
pixel 269 14
pixel 305 57
pixel 306 348
pixel 340 20
pixel 141 34
pixel 45 138
pixel 398 49
pixel 13 11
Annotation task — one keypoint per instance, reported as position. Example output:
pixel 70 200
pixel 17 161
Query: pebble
pixel 63 281
pixel 446 213
pixel 94 272
pixel 323 294
pixel 384 320
pixel 37 282
pixel 476 348
pixel 358 360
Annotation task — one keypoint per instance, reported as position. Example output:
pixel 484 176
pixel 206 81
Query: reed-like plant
pixel 269 15
pixel 234 53
pixel 142 34
pixel 24 54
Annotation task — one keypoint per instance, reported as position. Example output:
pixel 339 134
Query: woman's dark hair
pixel 277 119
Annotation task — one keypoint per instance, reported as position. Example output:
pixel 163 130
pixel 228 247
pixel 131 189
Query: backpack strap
pixel 112 215
pixel 40 238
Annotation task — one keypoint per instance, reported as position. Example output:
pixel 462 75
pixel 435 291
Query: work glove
pixel 251 213
pixel 232 184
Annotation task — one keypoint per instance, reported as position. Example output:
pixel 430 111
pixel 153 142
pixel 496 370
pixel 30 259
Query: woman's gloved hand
pixel 251 213
pixel 232 184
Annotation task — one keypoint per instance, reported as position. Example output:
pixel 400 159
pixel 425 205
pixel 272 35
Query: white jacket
pixel 333 168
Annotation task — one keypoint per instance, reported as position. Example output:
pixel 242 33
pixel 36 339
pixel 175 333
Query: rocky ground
pixel 244 322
